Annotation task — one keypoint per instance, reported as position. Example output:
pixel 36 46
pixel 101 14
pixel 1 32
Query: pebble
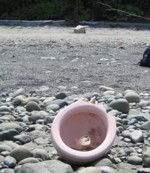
pixel 21 153
pixel 28 160
pixel 121 105
pixel 132 97
pixel 23 138
pixel 54 166
pixel 106 169
pixel 32 106
pixel 137 136
pixel 146 157
pixel 10 162
pixel 135 160
pixel 40 153
pixel 36 115
pixel 79 29
pixel 89 170
pixel 10 125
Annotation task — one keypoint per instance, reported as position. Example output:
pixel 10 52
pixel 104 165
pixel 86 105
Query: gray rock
pixel 120 105
pixel 10 162
pixel 10 125
pixel 132 97
pixel 8 134
pixel 54 166
pixel 36 115
pixel 40 153
pixel 145 125
pixel 106 169
pixel 4 147
pixel 10 144
pixel 60 102
pixel 135 160
pixel 1 158
pixel 32 106
pixel 7 170
pixel 18 92
pixel 80 29
pixel 61 95
pixel 17 101
pixel 109 93
pixel 23 138
pixel 132 121
pixel 126 133
pixel 21 153
pixel 143 170
pixel 89 170
pixel 53 107
pixel 104 162
pixel 146 158
pixel 28 160
pixel 5 109
pixel 105 88
pixel 137 136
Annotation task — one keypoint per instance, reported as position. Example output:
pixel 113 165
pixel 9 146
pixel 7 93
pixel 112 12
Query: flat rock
pixel 21 153
pixel 89 170
pixel 28 160
pixel 135 160
pixel 36 115
pixel 146 158
pixel 54 166
pixel 10 125
pixel 143 170
pixel 137 136
pixel 121 105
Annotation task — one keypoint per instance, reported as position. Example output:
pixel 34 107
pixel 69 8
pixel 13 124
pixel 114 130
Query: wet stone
pixel 10 161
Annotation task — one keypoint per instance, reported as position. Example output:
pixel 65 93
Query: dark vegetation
pixel 75 10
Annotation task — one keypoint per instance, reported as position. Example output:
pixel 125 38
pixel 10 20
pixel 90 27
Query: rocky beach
pixel 25 131
pixel 45 69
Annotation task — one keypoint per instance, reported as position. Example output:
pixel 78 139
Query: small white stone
pixel 80 29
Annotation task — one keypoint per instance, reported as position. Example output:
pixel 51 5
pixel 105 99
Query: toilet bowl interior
pixel 83 130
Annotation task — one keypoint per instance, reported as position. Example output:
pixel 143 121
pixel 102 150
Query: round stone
pixel 135 160
pixel 132 97
pixel 120 104
pixel 36 115
pixel 53 107
pixel 32 106
pixel 61 95
pixel 10 161
pixel 21 153
pixel 40 153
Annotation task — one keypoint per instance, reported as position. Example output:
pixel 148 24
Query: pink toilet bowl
pixel 83 132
